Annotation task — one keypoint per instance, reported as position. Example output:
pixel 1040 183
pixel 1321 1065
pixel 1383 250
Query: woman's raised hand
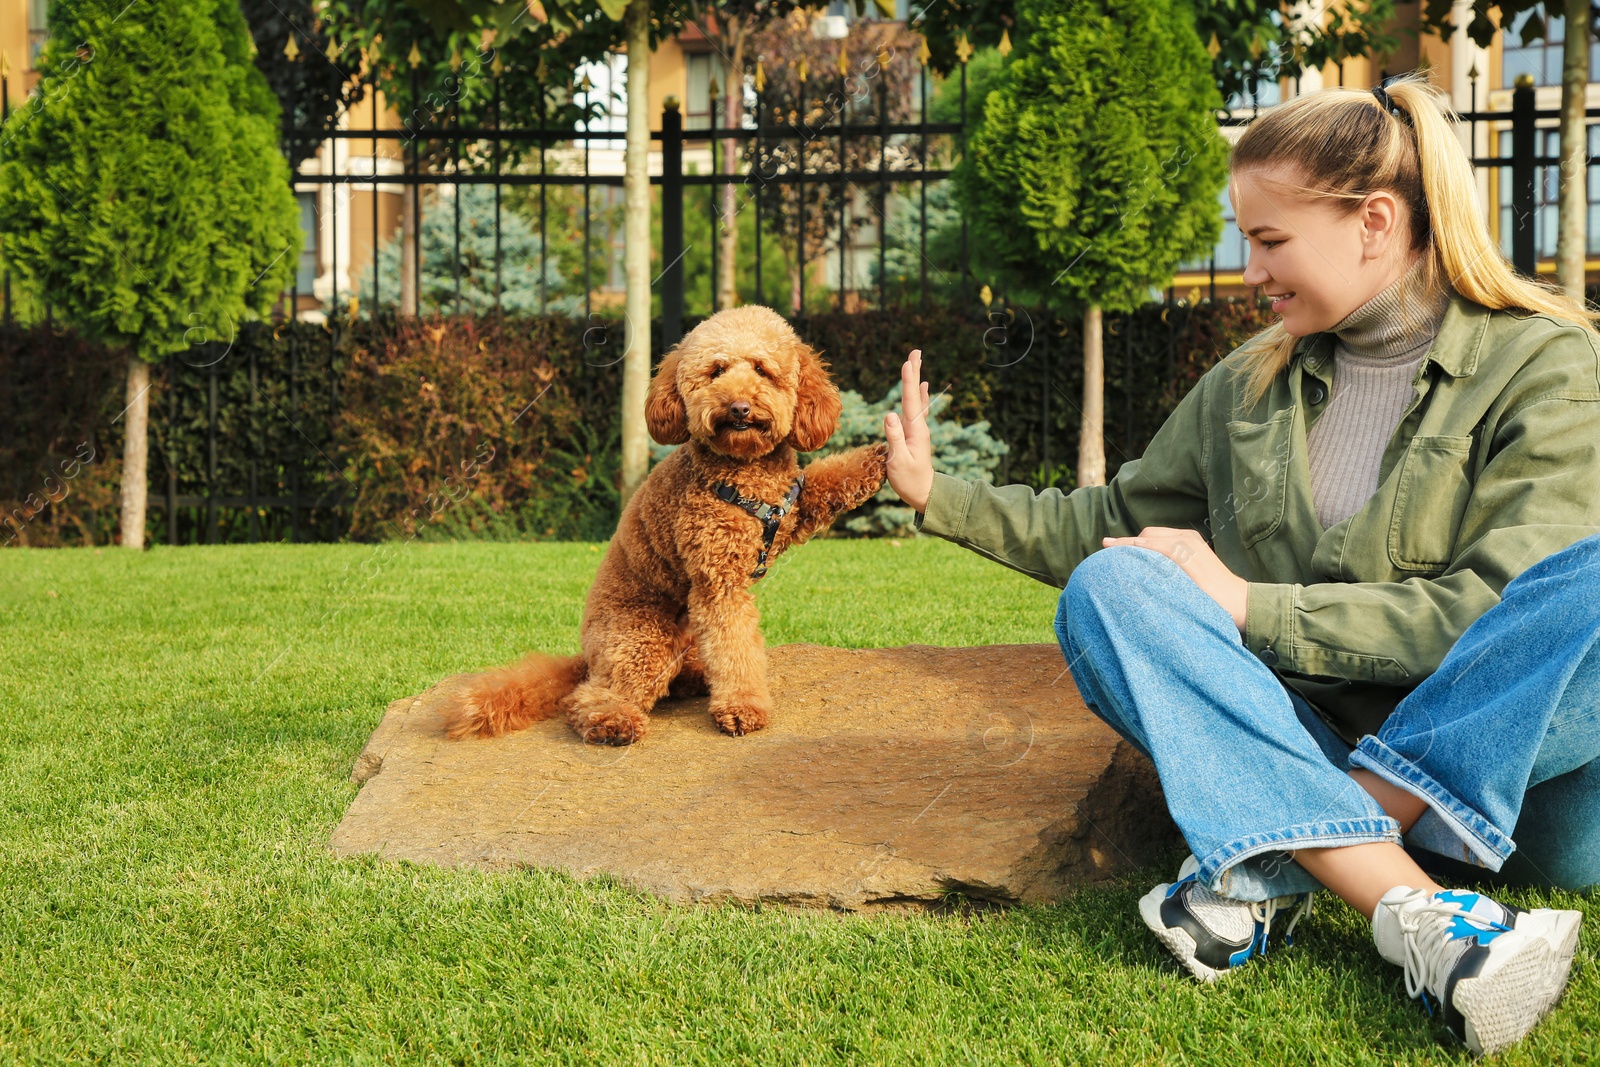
pixel 910 465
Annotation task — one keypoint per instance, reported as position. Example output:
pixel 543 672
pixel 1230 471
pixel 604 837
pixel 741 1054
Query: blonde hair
pixel 1341 146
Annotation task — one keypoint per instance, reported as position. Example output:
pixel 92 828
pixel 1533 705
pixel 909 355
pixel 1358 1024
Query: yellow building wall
pixel 669 76
pixel 20 77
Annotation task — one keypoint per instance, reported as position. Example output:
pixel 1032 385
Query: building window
pixel 697 97
pixel 1264 93
pixel 1547 196
pixel 306 276
pixel 1541 58
pixel 37 30
pixel 1232 251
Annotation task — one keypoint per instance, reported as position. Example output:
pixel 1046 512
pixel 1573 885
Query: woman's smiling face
pixel 1317 265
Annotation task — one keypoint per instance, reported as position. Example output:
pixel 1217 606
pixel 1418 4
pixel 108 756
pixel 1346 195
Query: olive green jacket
pixel 1495 464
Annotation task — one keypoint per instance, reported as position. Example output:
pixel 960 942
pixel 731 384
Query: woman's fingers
pixel 911 390
pixel 894 433
pixel 914 400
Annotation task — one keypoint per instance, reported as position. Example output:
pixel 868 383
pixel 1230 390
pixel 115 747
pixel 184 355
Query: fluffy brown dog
pixel 671 608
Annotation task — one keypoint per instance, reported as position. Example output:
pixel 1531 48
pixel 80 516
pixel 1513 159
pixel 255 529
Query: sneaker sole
pixel 1177 941
pixel 1496 1011
pixel 1559 929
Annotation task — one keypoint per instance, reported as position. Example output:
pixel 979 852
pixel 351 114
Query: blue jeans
pixel 1502 741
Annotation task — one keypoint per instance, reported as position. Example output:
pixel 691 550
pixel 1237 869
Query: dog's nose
pixel 739 410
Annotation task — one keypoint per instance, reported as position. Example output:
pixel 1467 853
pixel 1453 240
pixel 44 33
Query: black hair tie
pixel 1387 103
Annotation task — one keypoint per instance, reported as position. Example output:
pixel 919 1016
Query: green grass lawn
pixel 176 732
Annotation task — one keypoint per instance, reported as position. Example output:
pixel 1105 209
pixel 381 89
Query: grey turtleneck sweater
pixel 1376 353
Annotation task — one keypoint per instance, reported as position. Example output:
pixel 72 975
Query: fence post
pixel 294 455
pixel 5 115
pixel 255 450
pixel 172 454
pixel 1524 134
pixel 883 187
pixel 672 224
pixel 755 170
pixel 211 453
pixel 1045 481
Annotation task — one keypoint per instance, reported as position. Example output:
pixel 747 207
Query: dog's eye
pixel 761 370
pixel 718 369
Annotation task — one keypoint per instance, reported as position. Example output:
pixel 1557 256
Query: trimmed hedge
pixel 507 426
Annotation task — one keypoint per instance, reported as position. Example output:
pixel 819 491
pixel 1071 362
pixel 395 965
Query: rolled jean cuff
pixel 1226 871
pixel 1448 827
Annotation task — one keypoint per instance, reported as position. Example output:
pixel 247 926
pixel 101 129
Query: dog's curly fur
pixel 671 610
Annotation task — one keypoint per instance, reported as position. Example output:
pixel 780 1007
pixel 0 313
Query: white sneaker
pixel 1212 934
pixel 1492 978
pixel 1560 930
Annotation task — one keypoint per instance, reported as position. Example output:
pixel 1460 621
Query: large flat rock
pixel 889 776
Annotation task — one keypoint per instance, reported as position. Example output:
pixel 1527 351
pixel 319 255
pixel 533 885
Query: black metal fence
pixel 908 153
pixel 248 483
pixel 242 441
pixel 779 154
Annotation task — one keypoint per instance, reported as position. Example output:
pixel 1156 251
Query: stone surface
pixel 889 776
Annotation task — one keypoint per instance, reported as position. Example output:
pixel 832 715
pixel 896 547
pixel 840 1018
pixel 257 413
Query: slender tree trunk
pixel 136 453
pixel 1572 242
pixel 1091 433
pixel 733 118
pixel 794 290
pixel 408 252
pixel 636 252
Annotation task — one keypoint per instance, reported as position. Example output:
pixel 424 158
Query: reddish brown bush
pixel 468 425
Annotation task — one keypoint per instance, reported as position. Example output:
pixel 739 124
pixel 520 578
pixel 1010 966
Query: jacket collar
pixel 1455 349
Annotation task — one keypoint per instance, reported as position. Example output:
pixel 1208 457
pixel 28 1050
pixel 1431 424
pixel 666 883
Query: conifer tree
pixel 142 190
pixel 1096 167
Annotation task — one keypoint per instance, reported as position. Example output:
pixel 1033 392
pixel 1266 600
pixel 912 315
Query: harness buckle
pixel 769 515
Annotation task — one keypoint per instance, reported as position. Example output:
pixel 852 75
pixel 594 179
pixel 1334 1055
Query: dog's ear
pixel 816 406
pixel 664 414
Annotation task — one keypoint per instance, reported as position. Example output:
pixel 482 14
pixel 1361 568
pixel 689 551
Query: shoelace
pixel 1427 965
pixel 1263 912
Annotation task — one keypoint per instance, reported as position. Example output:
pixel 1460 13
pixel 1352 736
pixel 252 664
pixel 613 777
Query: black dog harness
pixel 769 514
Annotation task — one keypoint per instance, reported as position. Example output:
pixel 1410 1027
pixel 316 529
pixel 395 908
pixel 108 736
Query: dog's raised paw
pixel 740 720
pixel 875 462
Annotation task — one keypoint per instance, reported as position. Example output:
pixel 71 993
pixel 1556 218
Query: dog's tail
pixel 507 698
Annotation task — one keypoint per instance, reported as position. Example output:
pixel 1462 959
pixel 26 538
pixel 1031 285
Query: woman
pixel 1348 596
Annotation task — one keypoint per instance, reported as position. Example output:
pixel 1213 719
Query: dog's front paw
pixel 875 463
pixel 740 719
pixel 611 726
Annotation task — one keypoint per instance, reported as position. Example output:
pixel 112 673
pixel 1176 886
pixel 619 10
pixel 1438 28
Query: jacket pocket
pixel 1259 454
pixel 1430 499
